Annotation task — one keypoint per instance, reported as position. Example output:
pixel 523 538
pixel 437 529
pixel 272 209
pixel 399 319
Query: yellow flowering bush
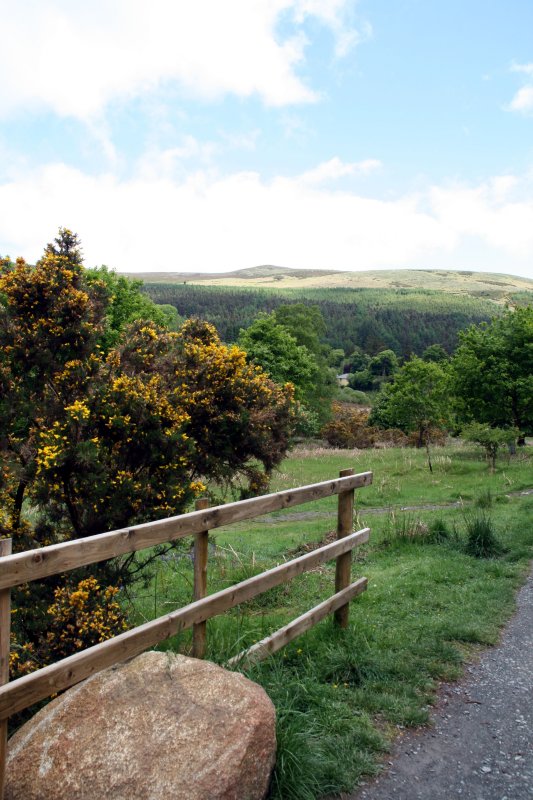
pixel 22 658
pixel 103 429
pixel 81 616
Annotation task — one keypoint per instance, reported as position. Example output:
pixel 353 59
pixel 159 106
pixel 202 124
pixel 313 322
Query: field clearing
pixel 342 695
pixel 286 278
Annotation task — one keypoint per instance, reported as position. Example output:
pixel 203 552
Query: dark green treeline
pixel 406 321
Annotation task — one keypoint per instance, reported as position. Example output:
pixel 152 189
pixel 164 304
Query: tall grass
pixel 482 541
pixel 340 696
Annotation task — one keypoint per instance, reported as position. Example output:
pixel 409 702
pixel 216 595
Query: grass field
pixel 282 277
pixel 342 695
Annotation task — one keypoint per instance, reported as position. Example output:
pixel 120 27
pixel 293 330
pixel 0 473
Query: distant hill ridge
pixel 402 310
pixel 270 276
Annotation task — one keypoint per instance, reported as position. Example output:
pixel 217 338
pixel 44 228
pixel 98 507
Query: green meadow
pixel 447 552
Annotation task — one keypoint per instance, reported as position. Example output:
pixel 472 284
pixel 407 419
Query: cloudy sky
pixel 209 135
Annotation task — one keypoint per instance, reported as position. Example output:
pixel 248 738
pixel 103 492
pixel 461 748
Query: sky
pixel 201 135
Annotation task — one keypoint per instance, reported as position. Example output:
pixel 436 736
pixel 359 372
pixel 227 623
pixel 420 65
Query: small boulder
pixel 158 727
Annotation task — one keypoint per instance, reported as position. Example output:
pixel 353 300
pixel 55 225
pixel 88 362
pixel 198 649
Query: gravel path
pixel 480 743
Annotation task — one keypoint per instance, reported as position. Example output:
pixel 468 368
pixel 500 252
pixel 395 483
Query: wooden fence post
pixel 199 631
pixel 343 565
pixel 5 632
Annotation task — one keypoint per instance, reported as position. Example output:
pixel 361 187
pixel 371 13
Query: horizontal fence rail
pixel 29 689
pixel 35 564
pixel 271 644
pixel 53 560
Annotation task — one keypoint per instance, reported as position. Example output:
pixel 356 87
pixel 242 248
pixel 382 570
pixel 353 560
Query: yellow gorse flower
pixel 78 410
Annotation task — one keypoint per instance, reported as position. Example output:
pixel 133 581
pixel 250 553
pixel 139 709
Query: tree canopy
pixel 384 364
pixel 417 401
pixel 305 323
pixel 273 347
pixel 372 373
pixel 435 352
pixel 492 372
pixel 404 320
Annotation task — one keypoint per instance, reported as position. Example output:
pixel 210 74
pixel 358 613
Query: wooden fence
pixel 36 564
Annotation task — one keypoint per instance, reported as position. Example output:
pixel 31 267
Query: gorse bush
pixel 82 614
pixel 348 427
pixel 433 435
pixel 108 420
pixel 88 431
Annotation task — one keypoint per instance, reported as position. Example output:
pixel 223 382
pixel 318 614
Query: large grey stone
pixel 158 726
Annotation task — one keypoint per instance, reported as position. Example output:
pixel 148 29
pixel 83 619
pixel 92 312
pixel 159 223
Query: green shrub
pixel 484 500
pixel 438 531
pixel 491 439
pixel 482 541
pixel 347 395
pixel 405 528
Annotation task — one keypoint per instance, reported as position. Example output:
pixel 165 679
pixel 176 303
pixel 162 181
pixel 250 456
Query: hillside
pixel 494 285
pixel 405 310
pixel 405 320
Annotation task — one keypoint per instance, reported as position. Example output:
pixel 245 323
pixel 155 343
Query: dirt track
pixel 480 743
pixel 298 516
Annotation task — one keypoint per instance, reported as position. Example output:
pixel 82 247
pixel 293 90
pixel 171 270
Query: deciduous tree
pixel 271 346
pixel 418 400
pixel 491 439
pixel 492 372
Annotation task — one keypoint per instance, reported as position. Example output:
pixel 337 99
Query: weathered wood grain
pixel 201 540
pixel 27 690
pixel 5 632
pixel 34 564
pixel 343 567
pixel 274 642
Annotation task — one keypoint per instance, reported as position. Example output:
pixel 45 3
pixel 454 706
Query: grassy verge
pixel 341 695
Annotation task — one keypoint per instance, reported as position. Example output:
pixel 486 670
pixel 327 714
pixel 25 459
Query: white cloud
pixel 491 213
pixel 242 141
pixel 335 14
pixel 172 162
pixel 526 68
pixel 210 222
pixel 523 99
pixel 76 58
pixel 335 168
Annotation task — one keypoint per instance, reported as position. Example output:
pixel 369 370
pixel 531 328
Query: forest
pixel 405 321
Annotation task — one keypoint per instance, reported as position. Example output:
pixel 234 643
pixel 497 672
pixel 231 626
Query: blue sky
pixel 211 136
